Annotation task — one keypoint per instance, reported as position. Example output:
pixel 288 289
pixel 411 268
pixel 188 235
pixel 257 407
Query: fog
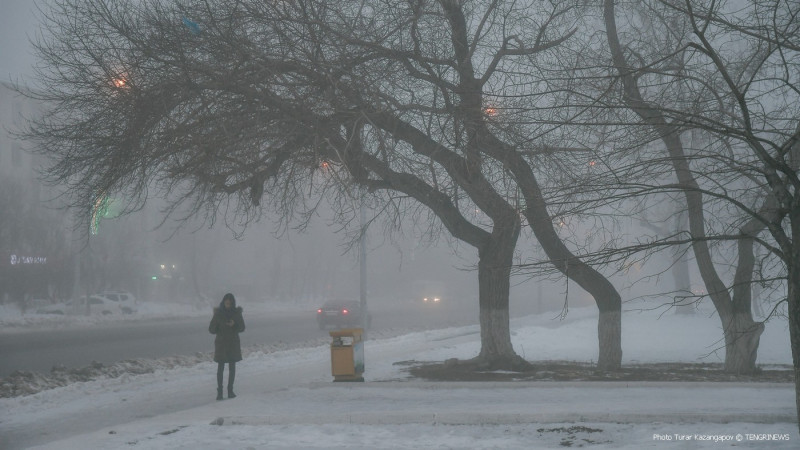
pixel 17 23
pixel 128 253
pixel 300 267
pixel 108 380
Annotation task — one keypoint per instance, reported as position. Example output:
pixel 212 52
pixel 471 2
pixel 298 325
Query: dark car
pixel 342 314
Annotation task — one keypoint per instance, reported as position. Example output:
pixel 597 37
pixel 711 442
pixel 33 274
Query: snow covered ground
pixel 287 400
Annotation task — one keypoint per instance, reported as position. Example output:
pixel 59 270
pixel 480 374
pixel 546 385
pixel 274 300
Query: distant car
pixel 125 300
pixel 33 304
pixel 432 300
pixel 60 308
pixel 342 314
pixel 105 303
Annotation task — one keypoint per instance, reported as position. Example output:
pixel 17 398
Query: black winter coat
pixel 227 347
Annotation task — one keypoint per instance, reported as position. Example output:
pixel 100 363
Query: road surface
pixel 42 349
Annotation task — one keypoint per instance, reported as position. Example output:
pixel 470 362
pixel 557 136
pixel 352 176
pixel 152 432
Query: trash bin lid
pixel 347 332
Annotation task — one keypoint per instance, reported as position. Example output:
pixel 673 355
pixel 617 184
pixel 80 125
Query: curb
pixel 478 385
pixel 466 418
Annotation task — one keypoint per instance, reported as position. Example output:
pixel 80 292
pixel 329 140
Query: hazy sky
pixel 17 24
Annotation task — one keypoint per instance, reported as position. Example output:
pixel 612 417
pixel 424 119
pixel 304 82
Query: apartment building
pixel 34 241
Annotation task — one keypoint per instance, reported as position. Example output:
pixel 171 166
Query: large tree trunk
pixel 608 300
pixel 609 333
pixel 495 250
pixel 493 287
pixel 792 261
pixel 606 297
pixel 494 282
pixel 793 297
pixel 742 333
pixel 742 336
pixel 484 141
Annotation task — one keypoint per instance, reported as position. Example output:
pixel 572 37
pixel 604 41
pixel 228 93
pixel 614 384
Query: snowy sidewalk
pixel 474 415
pixel 498 403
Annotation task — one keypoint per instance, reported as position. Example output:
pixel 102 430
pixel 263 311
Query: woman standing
pixel 227 323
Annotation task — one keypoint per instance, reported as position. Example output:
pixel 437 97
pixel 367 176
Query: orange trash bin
pixel 347 354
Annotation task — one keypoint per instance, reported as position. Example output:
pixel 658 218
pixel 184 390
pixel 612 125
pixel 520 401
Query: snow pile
pixel 12 319
pixel 22 382
pixel 27 383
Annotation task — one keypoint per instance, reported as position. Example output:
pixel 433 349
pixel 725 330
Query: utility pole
pixel 363 263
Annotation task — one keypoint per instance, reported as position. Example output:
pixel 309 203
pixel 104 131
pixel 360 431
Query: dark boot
pixel 231 377
pixel 220 370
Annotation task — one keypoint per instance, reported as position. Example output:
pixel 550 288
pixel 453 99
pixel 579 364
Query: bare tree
pixel 239 107
pixel 701 98
pixel 730 76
